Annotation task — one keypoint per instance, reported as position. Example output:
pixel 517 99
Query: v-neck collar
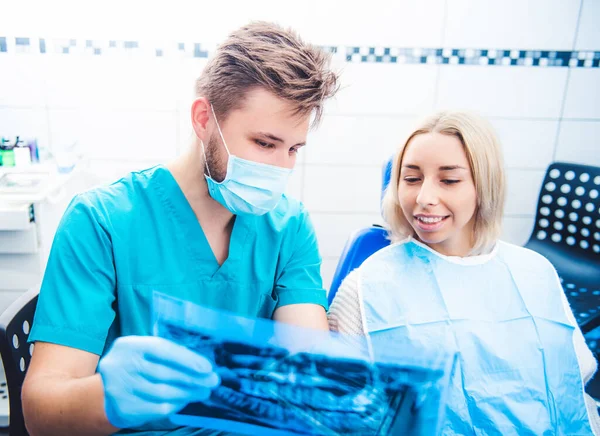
pixel 191 235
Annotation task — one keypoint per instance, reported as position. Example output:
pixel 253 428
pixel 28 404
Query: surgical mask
pixel 249 188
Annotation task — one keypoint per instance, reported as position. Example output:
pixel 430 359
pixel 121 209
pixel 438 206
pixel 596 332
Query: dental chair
pixel 567 233
pixel 15 324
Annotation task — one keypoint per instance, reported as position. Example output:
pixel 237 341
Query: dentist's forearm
pixel 303 315
pixel 60 406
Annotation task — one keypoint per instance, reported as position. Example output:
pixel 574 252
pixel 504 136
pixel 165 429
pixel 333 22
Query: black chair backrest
pixel 567 232
pixel 15 324
pixel 567 215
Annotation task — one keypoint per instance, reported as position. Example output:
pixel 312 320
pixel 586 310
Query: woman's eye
pixel 411 179
pixel 294 150
pixel 450 182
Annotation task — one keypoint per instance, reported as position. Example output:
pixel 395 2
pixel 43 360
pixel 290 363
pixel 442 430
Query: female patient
pixel 447 281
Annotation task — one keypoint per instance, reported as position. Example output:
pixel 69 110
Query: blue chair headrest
pixel 386 173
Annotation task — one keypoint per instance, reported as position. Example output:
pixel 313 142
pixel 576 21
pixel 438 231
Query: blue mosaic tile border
pixel 529 58
pixel 354 54
pixel 88 47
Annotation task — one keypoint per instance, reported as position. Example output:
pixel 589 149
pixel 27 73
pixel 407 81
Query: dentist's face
pixel 437 193
pixel 263 130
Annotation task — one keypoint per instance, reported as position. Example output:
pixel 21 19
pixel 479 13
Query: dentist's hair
pixel 265 55
pixel 484 154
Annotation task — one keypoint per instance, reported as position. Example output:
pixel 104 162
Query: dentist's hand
pixel 147 378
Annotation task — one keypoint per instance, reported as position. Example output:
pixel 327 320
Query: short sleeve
pixel 300 279
pixel 75 306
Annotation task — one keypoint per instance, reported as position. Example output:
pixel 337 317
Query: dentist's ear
pixel 200 116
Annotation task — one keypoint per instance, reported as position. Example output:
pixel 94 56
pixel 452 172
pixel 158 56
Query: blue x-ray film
pixel 282 380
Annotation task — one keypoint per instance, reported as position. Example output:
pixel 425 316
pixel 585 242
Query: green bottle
pixel 7 153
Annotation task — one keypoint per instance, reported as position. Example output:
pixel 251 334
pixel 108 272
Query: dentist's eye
pixel 264 144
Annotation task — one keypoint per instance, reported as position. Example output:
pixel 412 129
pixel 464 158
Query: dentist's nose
pixel 285 159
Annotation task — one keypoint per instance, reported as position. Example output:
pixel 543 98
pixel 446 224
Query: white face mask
pixel 249 188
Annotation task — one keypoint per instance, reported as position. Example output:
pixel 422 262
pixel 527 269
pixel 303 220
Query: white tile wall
pixel 582 93
pixel 532 24
pixel 588 34
pixel 334 229
pixel 103 171
pixel 514 92
pixel 185 132
pixel 579 142
pixel 377 23
pixel 111 83
pixel 115 134
pixel 522 191
pixel 517 230
pixel 357 140
pixel 32 122
pixel 187 70
pixel 385 89
pixel 526 143
pixel 21 81
pixel 328 22
pixel 16 271
pixel 295 186
pixel 342 189
pixel 130 113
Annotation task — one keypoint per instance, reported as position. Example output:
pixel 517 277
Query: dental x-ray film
pixel 282 380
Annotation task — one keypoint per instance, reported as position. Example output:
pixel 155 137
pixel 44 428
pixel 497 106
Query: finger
pixel 168 353
pixel 160 373
pixel 158 393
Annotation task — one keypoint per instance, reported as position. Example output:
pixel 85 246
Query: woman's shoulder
pixel 399 253
pixel 522 255
pixel 397 248
pixel 409 252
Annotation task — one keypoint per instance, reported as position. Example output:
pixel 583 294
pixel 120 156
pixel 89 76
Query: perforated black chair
pixel 15 324
pixel 567 232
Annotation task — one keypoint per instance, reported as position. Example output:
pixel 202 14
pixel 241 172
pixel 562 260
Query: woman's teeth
pixel 430 220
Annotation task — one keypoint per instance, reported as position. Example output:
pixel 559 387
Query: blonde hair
pixel 265 55
pixel 484 154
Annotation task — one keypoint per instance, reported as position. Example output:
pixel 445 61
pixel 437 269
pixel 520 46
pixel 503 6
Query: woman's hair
pixel 265 55
pixel 484 154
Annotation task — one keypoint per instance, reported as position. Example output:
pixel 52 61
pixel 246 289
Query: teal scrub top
pixel 117 244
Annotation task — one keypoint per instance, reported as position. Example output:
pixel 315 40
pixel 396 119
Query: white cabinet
pixel 23 241
pixel 20 260
pixel 15 217
pixel 30 207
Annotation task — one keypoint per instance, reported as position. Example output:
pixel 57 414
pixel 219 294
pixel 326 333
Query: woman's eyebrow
pixel 442 168
pixel 451 168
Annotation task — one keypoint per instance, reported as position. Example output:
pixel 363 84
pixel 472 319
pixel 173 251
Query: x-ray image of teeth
pixel 283 380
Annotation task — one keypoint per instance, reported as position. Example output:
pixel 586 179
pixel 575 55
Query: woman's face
pixel 437 193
